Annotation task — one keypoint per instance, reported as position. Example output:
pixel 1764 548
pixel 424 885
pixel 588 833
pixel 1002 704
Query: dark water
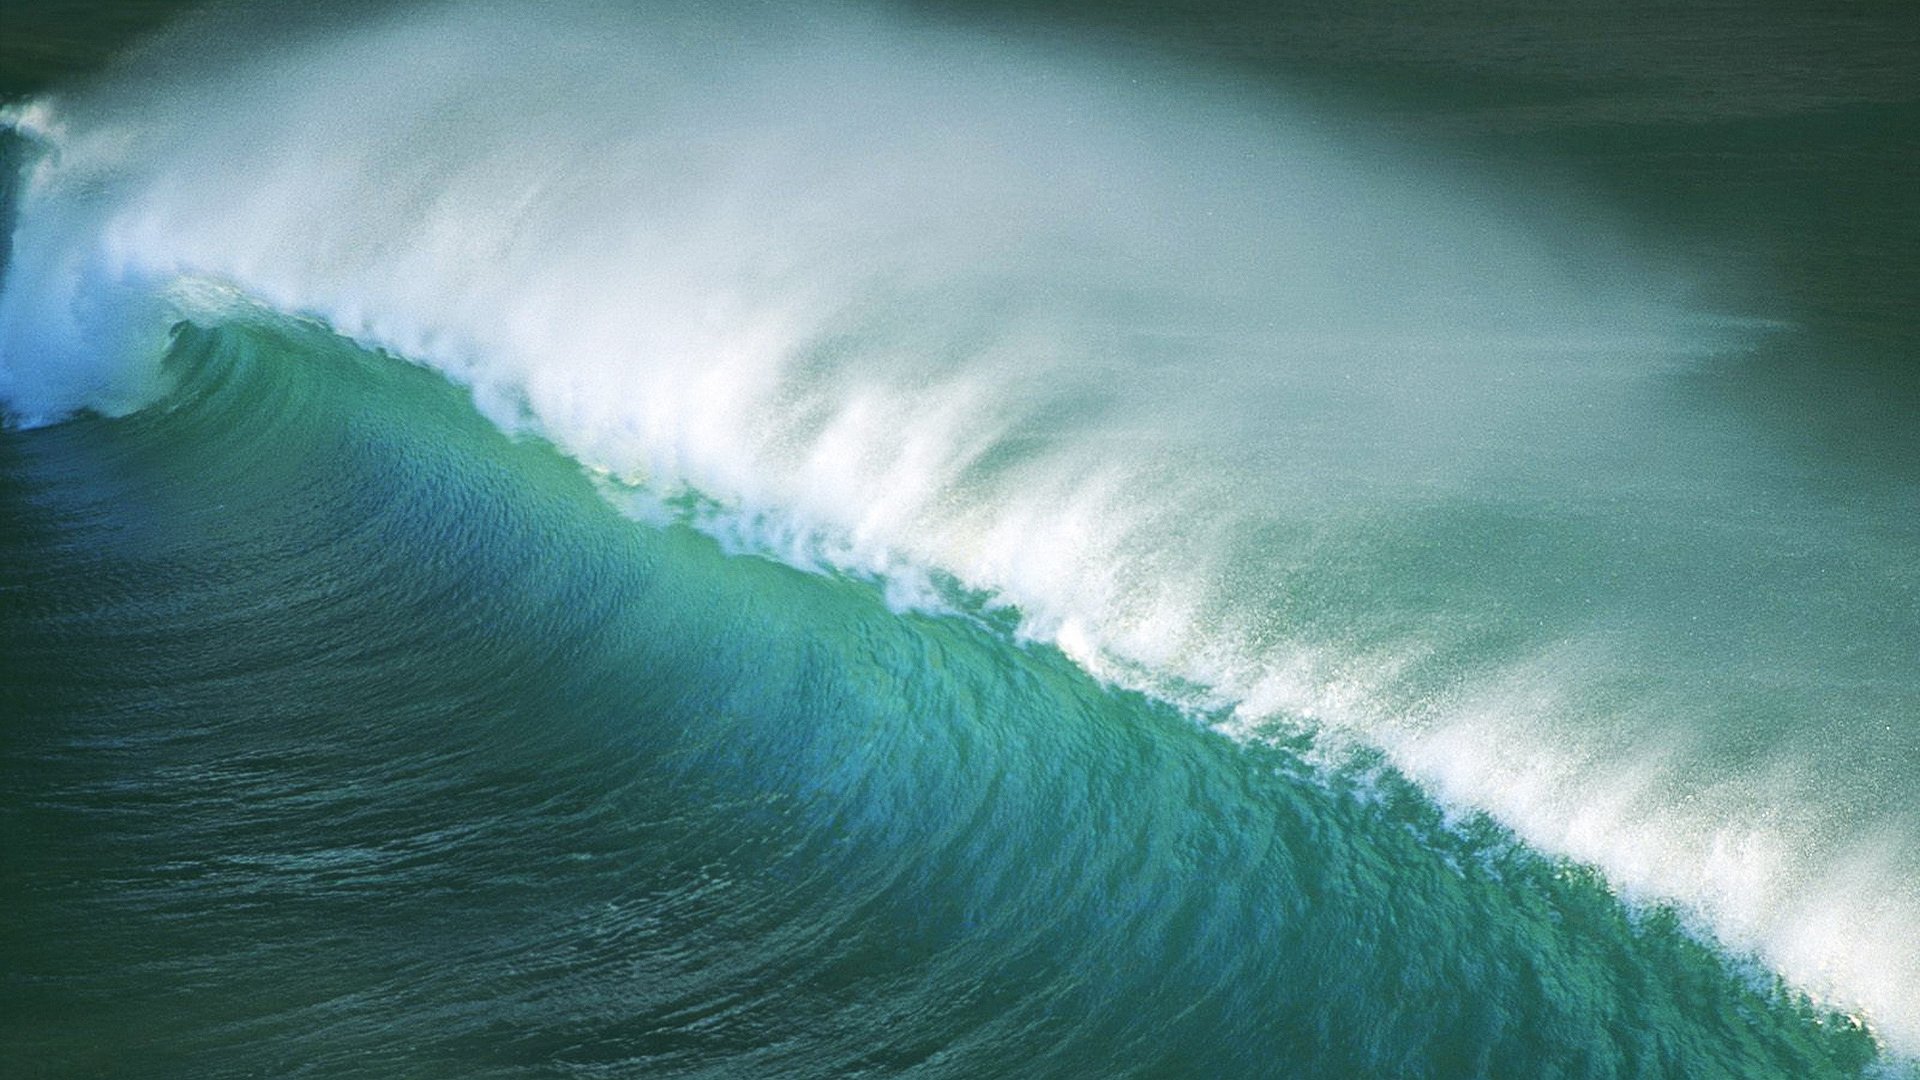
pixel 342 734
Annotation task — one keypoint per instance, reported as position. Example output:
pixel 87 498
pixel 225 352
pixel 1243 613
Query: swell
pixel 311 662
pixel 1288 429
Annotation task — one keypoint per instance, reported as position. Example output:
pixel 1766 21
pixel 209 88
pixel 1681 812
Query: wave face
pixel 1313 438
pixel 348 736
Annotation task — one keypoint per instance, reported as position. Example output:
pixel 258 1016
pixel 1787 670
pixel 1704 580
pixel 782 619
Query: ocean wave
pixel 1227 407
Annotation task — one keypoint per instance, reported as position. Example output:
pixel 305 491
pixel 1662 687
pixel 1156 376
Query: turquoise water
pixel 708 543
pixel 567 796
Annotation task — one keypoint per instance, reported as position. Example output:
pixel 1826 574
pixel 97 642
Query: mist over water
pixel 1302 430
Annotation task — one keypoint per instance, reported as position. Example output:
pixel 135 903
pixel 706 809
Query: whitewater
pixel 1294 427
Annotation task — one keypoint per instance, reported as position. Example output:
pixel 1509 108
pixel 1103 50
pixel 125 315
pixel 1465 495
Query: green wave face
pixel 348 736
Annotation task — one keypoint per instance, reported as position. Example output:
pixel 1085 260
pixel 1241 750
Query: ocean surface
pixel 959 539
